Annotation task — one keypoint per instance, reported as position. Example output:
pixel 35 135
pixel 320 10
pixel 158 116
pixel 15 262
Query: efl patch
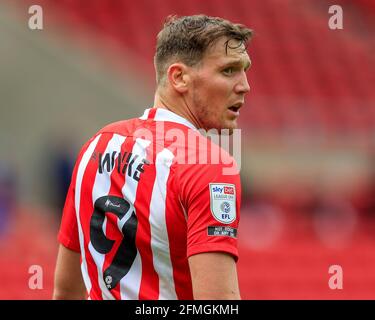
pixel 223 202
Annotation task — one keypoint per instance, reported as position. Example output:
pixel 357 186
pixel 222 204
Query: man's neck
pixel 177 106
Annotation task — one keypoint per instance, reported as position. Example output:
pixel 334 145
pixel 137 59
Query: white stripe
pixel 81 170
pixel 166 115
pixel 130 284
pixel 101 188
pixel 145 115
pixel 159 234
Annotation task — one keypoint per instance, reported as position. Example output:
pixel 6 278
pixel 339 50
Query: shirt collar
pixel 166 115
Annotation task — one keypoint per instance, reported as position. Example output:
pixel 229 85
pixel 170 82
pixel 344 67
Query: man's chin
pixel 229 129
pixel 226 128
pixel 226 131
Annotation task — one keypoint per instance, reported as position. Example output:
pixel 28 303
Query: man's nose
pixel 243 85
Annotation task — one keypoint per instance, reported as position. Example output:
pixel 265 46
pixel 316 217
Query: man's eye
pixel 228 71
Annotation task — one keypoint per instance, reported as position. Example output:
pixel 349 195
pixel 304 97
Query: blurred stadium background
pixel 308 144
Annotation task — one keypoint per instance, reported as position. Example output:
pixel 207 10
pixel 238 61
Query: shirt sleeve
pixel 212 199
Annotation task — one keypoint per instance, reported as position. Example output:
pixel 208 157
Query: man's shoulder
pixel 122 127
pixel 204 155
pixel 213 146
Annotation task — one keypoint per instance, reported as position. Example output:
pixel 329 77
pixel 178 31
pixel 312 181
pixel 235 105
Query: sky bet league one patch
pixel 223 202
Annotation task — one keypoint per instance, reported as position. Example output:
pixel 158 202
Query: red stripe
pixel 175 220
pixel 149 288
pixel 86 210
pixel 152 113
pixel 112 230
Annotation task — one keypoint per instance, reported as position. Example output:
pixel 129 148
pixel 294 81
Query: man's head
pixel 203 62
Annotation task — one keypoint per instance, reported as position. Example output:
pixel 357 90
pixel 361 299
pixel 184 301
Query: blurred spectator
pixel 335 221
pixel 60 167
pixel 63 168
pixel 364 199
pixel 263 225
pixel 8 195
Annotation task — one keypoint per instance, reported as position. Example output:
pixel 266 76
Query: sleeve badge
pixel 223 202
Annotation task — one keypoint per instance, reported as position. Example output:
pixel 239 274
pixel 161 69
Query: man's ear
pixel 178 77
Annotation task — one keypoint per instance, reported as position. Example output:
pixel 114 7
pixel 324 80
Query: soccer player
pixel 145 217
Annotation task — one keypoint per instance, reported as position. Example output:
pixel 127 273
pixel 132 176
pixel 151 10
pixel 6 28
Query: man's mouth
pixel 236 107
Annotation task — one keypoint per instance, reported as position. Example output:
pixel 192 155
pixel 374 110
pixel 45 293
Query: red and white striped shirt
pixel 140 203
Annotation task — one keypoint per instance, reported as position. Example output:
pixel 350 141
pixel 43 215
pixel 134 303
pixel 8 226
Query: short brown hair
pixel 186 39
